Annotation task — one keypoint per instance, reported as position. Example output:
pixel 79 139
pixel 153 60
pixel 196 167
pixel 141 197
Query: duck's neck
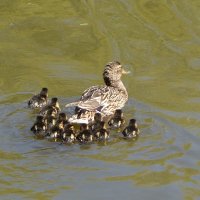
pixel 118 84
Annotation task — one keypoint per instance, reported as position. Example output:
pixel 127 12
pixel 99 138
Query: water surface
pixel 64 45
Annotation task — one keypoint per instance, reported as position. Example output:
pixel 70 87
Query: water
pixel 64 45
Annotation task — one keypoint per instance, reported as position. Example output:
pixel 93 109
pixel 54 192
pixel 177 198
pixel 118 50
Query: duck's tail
pixel 72 104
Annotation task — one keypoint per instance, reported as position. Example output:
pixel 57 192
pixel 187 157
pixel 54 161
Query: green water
pixel 64 45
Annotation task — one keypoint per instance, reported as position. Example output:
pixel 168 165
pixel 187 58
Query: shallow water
pixel 64 46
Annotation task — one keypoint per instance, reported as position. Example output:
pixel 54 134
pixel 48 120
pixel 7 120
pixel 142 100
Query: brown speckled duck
pixel 102 99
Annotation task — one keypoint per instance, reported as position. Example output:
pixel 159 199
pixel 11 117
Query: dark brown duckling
pixel 50 118
pixel 39 100
pixel 131 131
pixel 95 126
pixel 85 134
pixel 62 118
pixel 52 105
pixel 117 120
pixel 69 134
pixel 102 133
pixel 56 131
pixel 39 128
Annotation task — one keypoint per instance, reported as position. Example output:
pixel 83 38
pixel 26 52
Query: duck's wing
pixel 91 98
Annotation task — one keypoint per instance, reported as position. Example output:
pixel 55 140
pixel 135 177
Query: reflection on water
pixel 64 45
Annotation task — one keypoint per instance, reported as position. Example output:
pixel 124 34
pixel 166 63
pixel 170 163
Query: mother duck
pixel 102 99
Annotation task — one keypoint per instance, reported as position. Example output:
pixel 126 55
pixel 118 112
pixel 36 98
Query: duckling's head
pixel 84 127
pixel 54 100
pixel 113 72
pixel 118 113
pixel 62 117
pixel 133 123
pixel 40 118
pixel 44 91
pixel 97 117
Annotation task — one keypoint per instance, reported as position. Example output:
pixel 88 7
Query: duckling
pixel 50 118
pixel 39 128
pixel 52 105
pixel 57 130
pixel 102 133
pixel 69 134
pixel 117 120
pixel 131 131
pixel 62 118
pixel 39 100
pixel 85 134
pixel 95 126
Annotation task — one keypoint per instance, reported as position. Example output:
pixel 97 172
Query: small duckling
pixel 69 134
pixel 85 134
pixel 131 131
pixel 117 120
pixel 62 118
pixel 57 130
pixel 39 128
pixel 39 100
pixel 102 133
pixel 52 105
pixel 50 118
pixel 95 126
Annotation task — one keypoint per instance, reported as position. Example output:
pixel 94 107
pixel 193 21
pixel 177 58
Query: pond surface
pixel 64 45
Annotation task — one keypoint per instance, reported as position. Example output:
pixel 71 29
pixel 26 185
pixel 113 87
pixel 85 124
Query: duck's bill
pixel 125 72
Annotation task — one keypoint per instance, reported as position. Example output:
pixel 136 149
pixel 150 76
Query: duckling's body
pixel 102 99
pixel 69 134
pixel 39 128
pixel 85 134
pixel 131 131
pixel 52 105
pixel 117 120
pixel 102 133
pixel 39 100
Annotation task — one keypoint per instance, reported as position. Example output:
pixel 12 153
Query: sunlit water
pixel 64 45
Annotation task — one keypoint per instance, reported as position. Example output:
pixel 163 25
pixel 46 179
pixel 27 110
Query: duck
pixel 103 99
pixel 102 133
pixel 39 128
pixel 117 120
pixel 69 134
pixel 85 135
pixel 54 104
pixel 131 131
pixel 39 100
pixel 95 125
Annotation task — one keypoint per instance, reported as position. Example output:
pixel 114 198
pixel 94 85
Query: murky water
pixel 64 46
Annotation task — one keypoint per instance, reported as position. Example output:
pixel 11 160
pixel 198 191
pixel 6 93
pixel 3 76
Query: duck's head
pixel 113 72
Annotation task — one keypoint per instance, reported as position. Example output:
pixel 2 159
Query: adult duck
pixel 102 99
